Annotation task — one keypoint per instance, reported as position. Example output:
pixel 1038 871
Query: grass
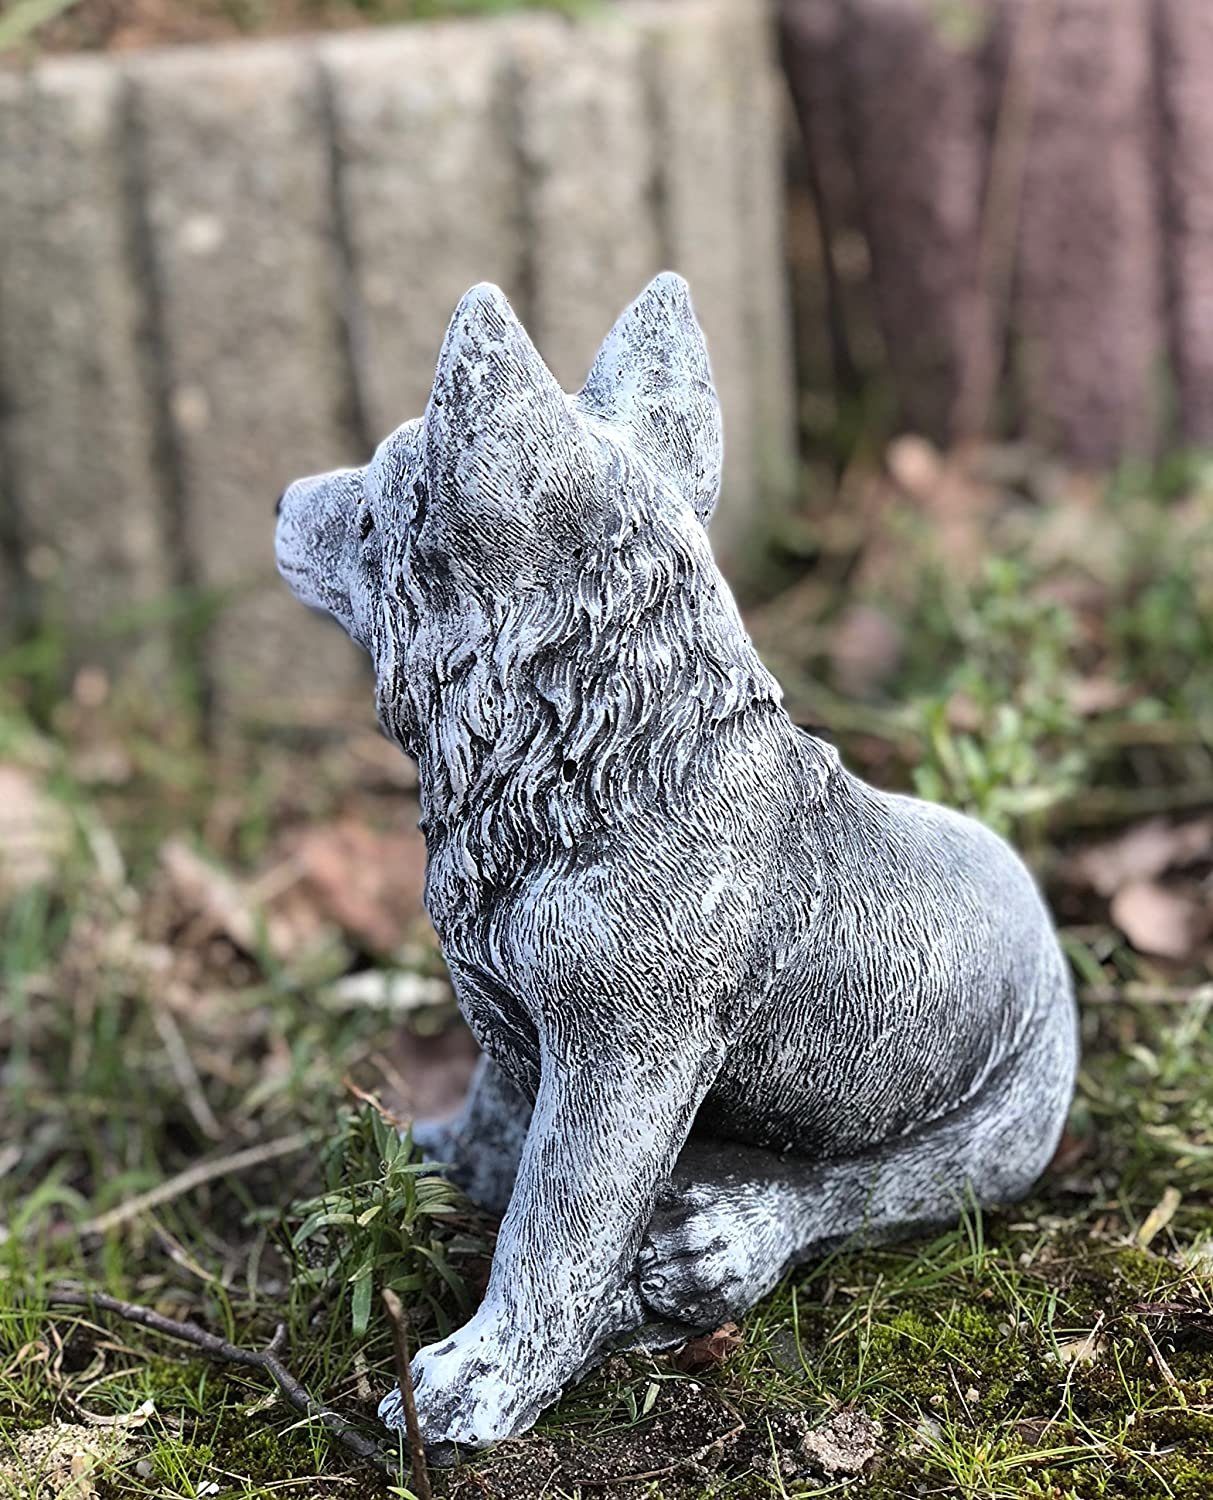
pixel 1061 1348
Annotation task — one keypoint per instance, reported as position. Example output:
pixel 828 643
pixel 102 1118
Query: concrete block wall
pixel 82 492
pixel 223 267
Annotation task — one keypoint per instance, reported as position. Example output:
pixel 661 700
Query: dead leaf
pixel 1159 921
pixel 141 1415
pixel 845 1444
pixel 199 901
pixel 950 491
pixel 1032 1430
pixel 1081 1351
pixel 964 714
pixel 209 899
pixel 395 990
pixel 1097 695
pixel 365 1096
pixel 35 832
pixel 915 465
pixel 427 1076
pixel 1159 1217
pixel 1071 1149
pixel 708 1350
pixel 369 883
pixel 1145 852
pixel 104 764
pixel 865 647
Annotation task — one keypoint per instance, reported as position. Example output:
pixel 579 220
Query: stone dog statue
pixel 736 1007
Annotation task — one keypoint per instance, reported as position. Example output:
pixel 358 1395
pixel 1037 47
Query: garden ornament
pixel 736 1007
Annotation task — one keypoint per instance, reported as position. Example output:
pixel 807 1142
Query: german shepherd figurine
pixel 736 1007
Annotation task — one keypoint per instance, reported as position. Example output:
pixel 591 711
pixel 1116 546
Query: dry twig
pixel 266 1359
pixel 1145 994
pixel 186 1074
pixel 400 1347
pixel 195 1176
pixel 1164 1369
pixel 1178 1314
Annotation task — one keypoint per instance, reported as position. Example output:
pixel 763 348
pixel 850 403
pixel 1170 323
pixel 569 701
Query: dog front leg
pixel 605 1133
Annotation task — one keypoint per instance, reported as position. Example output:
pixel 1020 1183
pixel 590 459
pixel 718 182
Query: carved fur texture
pixel 736 1006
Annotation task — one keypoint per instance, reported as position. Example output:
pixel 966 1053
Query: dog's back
pixel 930 960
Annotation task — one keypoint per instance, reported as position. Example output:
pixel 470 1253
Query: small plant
pixel 1160 620
pixel 1046 648
pixel 386 1219
pixel 1001 736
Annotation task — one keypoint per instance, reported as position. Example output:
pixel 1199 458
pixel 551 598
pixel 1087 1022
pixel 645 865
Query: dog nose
pixel 278 503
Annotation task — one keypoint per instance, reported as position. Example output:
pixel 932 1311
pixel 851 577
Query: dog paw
pixel 391 1414
pixel 707 1258
pixel 469 1391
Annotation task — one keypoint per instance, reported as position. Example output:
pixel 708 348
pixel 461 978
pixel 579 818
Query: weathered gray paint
pixel 242 245
pixel 737 1007
pixel 78 426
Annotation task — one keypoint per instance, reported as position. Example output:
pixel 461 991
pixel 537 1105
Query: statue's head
pixel 507 492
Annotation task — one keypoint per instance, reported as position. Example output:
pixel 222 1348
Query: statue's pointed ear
pixel 506 458
pixel 652 376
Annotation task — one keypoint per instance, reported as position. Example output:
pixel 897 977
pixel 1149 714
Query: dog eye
pixel 366 523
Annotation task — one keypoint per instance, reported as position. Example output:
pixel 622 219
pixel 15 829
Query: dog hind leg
pixel 481 1145
pixel 733 1218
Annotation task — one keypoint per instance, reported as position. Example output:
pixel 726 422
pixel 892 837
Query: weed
pixel 373 1226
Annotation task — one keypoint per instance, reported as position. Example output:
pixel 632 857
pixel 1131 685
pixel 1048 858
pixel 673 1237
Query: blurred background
pixel 954 259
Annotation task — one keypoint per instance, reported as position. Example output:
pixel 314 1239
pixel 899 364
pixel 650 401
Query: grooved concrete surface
pixel 78 430
pixel 919 162
pixel 1089 308
pixel 235 173
pixel 224 267
pixel 700 196
pixel 588 158
pixel 430 195
pixel 763 134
